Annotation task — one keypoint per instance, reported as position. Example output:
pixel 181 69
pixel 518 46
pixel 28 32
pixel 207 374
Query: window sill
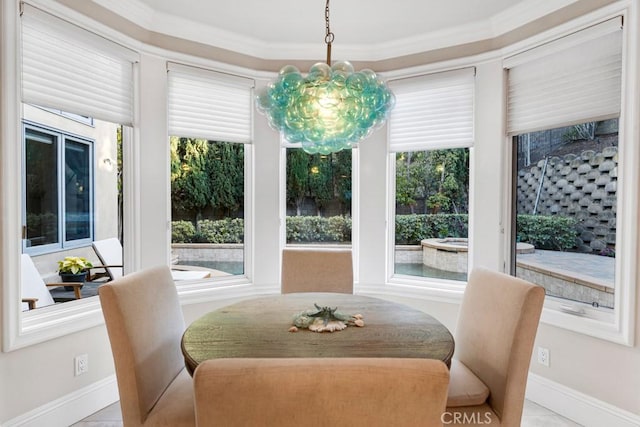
pixel 58 320
pixel 447 291
pixel 597 323
pixel 588 321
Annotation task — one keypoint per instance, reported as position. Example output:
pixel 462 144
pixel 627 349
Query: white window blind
pixel 433 111
pixel 208 104
pixel 571 80
pixel 71 69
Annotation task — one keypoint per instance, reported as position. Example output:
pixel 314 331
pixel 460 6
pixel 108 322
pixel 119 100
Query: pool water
pixel 231 267
pixel 422 270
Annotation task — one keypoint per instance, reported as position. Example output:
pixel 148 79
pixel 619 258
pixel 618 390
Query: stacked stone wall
pixel 580 186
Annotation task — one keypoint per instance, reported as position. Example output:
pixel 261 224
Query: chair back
pixel 496 329
pixel 145 325
pixel 324 391
pixel 109 252
pixel 32 284
pixel 317 270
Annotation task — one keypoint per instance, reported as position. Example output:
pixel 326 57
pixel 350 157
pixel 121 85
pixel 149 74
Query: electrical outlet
pixel 543 356
pixel 81 363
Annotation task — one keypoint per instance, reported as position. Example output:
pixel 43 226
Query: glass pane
pixel 77 190
pixel 432 210
pixel 566 211
pixel 207 204
pixel 318 197
pixel 41 192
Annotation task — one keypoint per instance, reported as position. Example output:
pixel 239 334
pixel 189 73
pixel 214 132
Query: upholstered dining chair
pixel 317 270
pixel 496 329
pixel 353 392
pixel 145 325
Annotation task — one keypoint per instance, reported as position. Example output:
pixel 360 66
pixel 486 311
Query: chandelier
pixel 330 109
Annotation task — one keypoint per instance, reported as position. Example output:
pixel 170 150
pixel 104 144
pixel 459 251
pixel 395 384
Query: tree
pixel 225 171
pixel 342 178
pixel 440 178
pixel 321 180
pixel 191 189
pixel 297 177
pixel 410 178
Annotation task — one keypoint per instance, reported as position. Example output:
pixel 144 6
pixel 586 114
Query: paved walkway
pixel 600 268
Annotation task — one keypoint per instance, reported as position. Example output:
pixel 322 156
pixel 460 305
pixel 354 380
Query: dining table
pixel 262 327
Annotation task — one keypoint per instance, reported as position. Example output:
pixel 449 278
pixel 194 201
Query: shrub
pixel 411 229
pixel 182 232
pixel 318 229
pixel 228 230
pixel 547 232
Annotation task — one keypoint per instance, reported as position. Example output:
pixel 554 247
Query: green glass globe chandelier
pixel 331 108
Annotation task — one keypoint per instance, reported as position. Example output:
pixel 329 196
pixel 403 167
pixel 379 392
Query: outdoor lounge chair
pixel 109 252
pixel 35 292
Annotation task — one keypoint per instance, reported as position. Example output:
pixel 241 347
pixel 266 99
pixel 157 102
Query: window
pixel 207 204
pixel 569 168
pixel 65 68
pixel 430 135
pixel 318 197
pixel 210 135
pixel 57 215
pixel 566 216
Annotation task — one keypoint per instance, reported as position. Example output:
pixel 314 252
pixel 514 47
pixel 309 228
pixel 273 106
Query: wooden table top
pixel 260 328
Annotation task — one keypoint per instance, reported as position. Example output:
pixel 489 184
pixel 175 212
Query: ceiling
pixel 368 29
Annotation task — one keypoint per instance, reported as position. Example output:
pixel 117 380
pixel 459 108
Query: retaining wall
pixel 580 186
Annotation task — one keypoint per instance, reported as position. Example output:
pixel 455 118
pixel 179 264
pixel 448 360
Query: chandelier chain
pixel 328 38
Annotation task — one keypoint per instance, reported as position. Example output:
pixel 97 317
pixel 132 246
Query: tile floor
pixel 534 416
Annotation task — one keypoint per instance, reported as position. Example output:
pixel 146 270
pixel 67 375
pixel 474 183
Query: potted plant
pixel 73 269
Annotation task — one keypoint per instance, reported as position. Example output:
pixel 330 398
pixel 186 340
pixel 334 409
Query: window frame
pixel 434 287
pixel 200 290
pixel 619 327
pixel 431 287
pixel 355 194
pixel 62 137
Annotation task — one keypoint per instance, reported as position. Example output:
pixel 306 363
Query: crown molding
pixel 516 16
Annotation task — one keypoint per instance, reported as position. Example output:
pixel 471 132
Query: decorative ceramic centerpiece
pixel 325 319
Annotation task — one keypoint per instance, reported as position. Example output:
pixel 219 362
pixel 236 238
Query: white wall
pixel 36 375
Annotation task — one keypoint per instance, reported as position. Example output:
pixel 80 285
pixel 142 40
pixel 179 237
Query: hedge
pixel 301 229
pixel 544 232
pixel 410 229
pixel 555 233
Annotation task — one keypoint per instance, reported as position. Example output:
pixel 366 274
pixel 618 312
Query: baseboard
pixel 577 406
pixel 70 408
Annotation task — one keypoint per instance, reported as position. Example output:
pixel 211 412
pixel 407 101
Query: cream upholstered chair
pixel 496 329
pixel 317 270
pixel 353 392
pixel 145 325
